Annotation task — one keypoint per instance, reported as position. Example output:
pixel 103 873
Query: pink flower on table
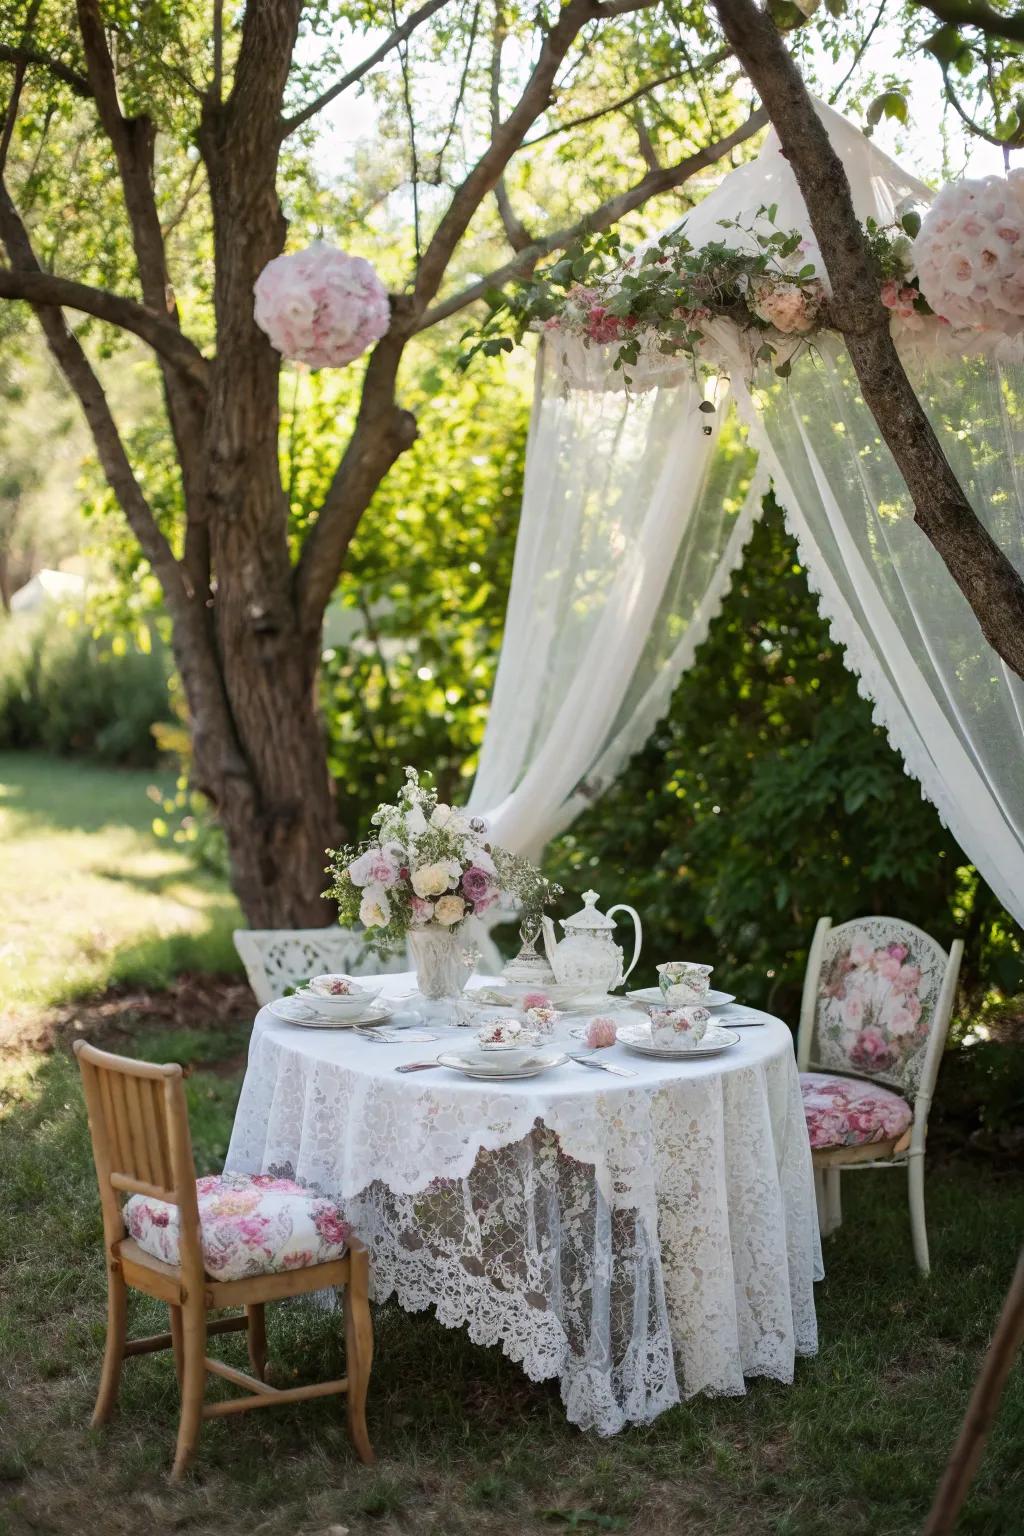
pixel 601 1033
pixel 870 1051
pixel 476 883
pixel 536 1000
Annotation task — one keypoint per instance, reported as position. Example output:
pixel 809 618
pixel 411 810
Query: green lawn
pixel 466 1444
pixel 88 896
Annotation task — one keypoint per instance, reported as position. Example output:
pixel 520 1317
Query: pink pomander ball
pixel 969 253
pixel 791 309
pixel 320 306
pixel 600 1032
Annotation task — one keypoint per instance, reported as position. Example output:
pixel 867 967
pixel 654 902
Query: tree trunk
pixel 988 580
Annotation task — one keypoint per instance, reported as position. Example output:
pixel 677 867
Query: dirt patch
pixel 116 1016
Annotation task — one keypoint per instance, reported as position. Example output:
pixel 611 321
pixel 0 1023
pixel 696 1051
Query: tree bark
pixel 984 574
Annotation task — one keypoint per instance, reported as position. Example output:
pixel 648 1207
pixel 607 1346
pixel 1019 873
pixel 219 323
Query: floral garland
pixel 662 297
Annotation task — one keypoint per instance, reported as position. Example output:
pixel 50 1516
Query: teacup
pixel 679 1028
pixel 684 981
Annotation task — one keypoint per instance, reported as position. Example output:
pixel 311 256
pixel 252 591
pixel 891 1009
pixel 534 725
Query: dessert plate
pixel 637 1037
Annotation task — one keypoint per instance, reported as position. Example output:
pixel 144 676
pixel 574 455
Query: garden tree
pixel 982 571
pixel 140 120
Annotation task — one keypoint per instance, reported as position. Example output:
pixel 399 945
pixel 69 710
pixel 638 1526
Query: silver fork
pixel 602 1066
pixel 417 1066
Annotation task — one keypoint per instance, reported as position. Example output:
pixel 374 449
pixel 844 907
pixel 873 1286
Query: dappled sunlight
pixel 84 884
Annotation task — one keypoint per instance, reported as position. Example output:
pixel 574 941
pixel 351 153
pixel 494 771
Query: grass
pixel 88 896
pixel 467 1446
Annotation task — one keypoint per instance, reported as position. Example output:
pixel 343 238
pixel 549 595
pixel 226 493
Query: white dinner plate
pixel 637 1037
pixel 649 996
pixel 491 1067
pixel 291 1010
pixel 566 999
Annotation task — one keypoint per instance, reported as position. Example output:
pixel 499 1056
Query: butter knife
pixel 603 1066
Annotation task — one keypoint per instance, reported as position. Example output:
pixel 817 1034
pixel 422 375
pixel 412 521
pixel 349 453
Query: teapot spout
pixel 550 939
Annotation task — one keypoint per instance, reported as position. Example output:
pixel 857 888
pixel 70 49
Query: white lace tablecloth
pixel 642 1239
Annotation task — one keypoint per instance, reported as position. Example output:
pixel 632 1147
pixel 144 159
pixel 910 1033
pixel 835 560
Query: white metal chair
pixel 278 958
pixel 877 1000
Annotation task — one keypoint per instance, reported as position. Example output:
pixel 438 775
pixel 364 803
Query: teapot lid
pixel 589 916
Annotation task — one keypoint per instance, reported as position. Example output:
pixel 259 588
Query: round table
pixel 641 1238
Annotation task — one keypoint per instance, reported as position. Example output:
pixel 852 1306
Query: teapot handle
pixel 638 940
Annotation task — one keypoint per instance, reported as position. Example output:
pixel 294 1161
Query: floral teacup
pixel 503 1034
pixel 679 1028
pixel 684 981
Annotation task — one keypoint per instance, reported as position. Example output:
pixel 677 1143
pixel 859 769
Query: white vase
pixel 442 964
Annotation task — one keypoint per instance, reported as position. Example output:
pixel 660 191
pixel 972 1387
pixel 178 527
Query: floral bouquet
pixel 427 868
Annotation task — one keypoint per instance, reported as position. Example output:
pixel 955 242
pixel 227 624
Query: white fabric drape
pixel 634 519
pixel 635 512
pixel 950 705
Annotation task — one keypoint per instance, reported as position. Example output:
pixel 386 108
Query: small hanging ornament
pixel 321 306
pixel 969 253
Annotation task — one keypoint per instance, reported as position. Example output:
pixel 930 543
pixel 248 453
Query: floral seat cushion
pixel 250 1224
pixel 843 1112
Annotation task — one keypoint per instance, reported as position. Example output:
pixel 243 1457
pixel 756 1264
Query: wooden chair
pixel 141 1145
pixel 906 1061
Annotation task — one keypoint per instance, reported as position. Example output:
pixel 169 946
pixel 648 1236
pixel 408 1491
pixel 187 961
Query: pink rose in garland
pixel 791 308
pixel 320 306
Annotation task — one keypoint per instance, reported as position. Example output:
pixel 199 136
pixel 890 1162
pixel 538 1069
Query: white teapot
pixel 588 955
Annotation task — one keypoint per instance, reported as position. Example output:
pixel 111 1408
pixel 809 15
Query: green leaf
pixel 707 407
pixel 911 222
pixel 946 44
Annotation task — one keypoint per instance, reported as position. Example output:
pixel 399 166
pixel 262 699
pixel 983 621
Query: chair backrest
pixel 278 958
pixel 878 998
pixel 138 1121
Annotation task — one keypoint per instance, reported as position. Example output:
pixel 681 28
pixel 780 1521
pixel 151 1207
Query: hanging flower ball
pixel 969 253
pixel 320 306
pixel 792 308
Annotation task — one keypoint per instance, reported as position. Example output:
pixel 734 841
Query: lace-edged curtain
pixel 636 509
pixel 950 706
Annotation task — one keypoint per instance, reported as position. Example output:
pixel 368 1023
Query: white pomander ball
pixel 321 306
pixel 969 253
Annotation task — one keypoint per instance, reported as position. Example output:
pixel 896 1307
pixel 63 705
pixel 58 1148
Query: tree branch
pixel 615 106
pixel 975 13
pixel 398 36
pixel 35 58
pixel 39 287
pixel 988 580
pixel 508 136
pixel 601 218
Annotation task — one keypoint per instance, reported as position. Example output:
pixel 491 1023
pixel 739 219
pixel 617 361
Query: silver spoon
pixel 602 1066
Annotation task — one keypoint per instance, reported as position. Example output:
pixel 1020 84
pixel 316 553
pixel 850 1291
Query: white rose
pixel 359 869
pixel 415 820
pixel 431 880
pixel 449 910
pixel 483 860
pixel 441 815
pixel 375 909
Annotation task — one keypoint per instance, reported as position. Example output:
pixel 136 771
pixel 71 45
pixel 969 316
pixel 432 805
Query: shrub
pixel 63 690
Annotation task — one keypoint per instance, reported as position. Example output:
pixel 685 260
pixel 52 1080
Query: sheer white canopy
pixel 634 518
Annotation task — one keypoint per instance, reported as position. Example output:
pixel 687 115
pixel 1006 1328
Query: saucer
pixel 649 997
pixel 495 1066
pixel 637 1037
pixel 292 1010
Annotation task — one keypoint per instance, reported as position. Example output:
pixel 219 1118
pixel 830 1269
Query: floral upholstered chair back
pixel 878 988
pixel 278 958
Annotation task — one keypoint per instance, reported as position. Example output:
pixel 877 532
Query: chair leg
pixel 918 1226
pixel 358 1352
pixel 113 1354
pixel 834 1198
pixel 193 1385
pixel 177 1342
pixel 256 1335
